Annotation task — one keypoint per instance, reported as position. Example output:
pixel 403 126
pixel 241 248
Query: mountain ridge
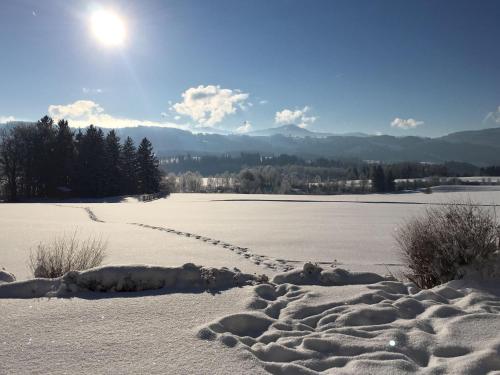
pixel 288 130
pixel 479 147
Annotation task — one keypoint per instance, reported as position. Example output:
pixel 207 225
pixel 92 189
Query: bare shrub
pixel 66 253
pixel 437 245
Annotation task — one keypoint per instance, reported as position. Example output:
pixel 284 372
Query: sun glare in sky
pixel 108 28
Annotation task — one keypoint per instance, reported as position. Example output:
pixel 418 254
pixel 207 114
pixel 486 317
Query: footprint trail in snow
pixel 262 260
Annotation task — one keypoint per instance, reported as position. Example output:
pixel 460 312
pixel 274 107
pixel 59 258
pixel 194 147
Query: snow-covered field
pixel 385 327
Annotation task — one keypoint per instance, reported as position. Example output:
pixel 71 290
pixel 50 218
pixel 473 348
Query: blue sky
pixel 394 67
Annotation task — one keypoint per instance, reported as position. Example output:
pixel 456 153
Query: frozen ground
pixel 386 327
pixel 150 334
pixel 23 226
pixel 211 229
pixel 357 231
pixel 303 322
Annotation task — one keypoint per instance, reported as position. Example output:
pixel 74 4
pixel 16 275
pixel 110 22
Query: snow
pixel 314 274
pixel 215 230
pixel 367 325
pixel 128 278
pixel 148 334
pixel 23 226
pixel 388 327
pixel 295 229
pixel 327 309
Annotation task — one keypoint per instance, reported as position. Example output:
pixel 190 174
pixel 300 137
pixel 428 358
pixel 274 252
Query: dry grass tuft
pixel 66 253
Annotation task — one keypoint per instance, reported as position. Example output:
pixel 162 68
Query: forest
pixel 289 174
pixel 50 160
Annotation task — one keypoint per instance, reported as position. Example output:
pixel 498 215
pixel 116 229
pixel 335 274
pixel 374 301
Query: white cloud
pixel 76 110
pixel 5 119
pixel 245 128
pixel 409 123
pixel 262 102
pixel 82 113
pixel 208 105
pixel 493 116
pixel 298 116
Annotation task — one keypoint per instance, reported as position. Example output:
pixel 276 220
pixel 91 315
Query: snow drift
pixel 312 274
pixel 135 278
pixel 189 277
pixel 391 327
pixel 297 324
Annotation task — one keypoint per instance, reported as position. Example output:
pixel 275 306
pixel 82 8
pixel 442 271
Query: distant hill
pixel 487 137
pixel 483 149
pixel 290 130
pixel 479 147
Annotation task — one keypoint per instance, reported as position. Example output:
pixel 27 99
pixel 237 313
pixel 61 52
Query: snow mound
pixel 6 277
pixel 392 327
pixel 312 274
pixel 134 278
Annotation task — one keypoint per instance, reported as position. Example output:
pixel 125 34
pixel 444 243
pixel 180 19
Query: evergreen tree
pixel 43 157
pixel 390 184
pixel 148 172
pixel 64 155
pixel 128 167
pixel 378 179
pixel 26 137
pixel 91 179
pixel 112 165
pixel 10 161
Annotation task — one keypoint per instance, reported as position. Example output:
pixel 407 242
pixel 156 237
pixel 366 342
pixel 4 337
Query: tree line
pixel 46 160
pixel 307 179
pixel 288 179
pixel 348 169
pixel 310 180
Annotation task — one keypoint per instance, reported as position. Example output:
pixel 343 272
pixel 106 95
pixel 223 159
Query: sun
pixel 108 28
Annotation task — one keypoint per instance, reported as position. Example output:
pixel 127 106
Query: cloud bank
pixel 209 105
pixel 298 116
pixel 5 119
pixel 82 113
pixel 405 124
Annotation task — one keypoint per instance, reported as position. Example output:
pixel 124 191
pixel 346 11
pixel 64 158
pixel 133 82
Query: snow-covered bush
pixel 311 269
pixel 439 245
pixel 66 253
